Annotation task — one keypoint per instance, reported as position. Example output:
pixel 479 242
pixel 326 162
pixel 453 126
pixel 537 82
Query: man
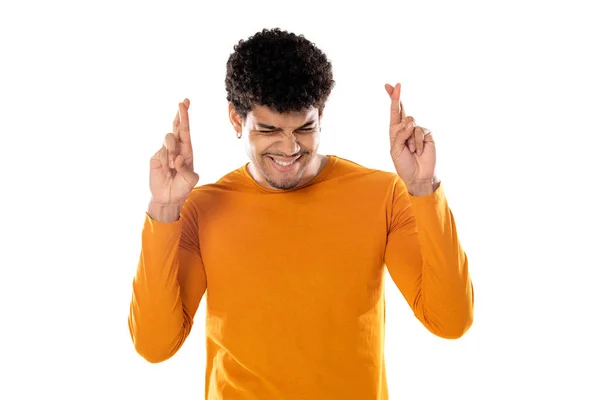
pixel 291 247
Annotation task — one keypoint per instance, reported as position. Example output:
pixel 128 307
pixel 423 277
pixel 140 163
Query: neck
pixel 313 169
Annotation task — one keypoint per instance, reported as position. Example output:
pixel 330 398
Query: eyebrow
pixel 271 127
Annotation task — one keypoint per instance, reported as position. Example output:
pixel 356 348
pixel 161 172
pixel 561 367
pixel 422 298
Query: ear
pixel 320 118
pixel 235 119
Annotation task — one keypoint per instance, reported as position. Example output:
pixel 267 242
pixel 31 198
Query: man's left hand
pixel 412 148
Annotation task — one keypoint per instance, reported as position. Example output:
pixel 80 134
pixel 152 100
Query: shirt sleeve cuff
pixel 154 227
pixel 430 201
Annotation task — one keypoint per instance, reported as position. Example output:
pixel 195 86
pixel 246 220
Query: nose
pixel 290 144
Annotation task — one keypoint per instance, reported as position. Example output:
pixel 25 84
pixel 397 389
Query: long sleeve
pixel 168 286
pixel 427 263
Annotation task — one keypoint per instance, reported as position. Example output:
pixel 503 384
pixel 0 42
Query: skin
pixel 285 137
pixel 172 175
pixel 411 147
pixel 294 136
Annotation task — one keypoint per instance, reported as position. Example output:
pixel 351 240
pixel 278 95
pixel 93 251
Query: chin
pixel 285 175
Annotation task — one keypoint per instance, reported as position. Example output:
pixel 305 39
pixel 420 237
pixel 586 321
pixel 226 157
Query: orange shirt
pixel 294 281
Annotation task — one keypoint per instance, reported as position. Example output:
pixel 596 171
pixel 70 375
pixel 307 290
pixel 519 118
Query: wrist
pixel 423 187
pixel 164 212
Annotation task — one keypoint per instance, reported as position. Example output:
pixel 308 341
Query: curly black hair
pixel 280 70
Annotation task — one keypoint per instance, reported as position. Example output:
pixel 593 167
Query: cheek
pixel 260 146
pixel 309 142
pixel 254 145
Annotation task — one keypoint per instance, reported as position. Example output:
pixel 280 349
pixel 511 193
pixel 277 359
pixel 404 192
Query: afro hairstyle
pixel 280 70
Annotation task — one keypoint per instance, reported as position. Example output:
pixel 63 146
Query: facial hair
pixel 288 182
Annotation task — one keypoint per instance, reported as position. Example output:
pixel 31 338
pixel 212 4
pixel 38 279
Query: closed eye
pixel 302 130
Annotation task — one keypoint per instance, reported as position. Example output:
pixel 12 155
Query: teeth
pixel 284 164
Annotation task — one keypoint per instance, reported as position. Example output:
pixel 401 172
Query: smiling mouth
pixel 286 164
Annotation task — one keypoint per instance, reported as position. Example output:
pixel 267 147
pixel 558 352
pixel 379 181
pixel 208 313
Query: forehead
pixel 265 115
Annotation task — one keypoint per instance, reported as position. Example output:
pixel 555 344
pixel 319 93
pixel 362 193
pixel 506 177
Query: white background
pixel 510 90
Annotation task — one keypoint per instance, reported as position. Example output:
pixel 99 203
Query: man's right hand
pixel 172 175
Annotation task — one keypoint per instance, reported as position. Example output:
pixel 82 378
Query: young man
pixel 291 247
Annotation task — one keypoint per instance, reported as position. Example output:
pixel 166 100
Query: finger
pixel 396 130
pixel 419 138
pixel 171 145
pixel 397 148
pixel 177 120
pixel 184 123
pixel 428 136
pixel 395 113
pixel 399 144
pixel 412 145
pixel 405 130
pixel 164 160
pixel 389 89
pixel 186 171
pixel 159 160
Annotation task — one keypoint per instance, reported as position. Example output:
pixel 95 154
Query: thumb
pixel 187 173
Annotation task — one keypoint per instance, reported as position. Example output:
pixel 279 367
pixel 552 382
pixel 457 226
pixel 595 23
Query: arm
pixel 426 262
pixel 169 284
